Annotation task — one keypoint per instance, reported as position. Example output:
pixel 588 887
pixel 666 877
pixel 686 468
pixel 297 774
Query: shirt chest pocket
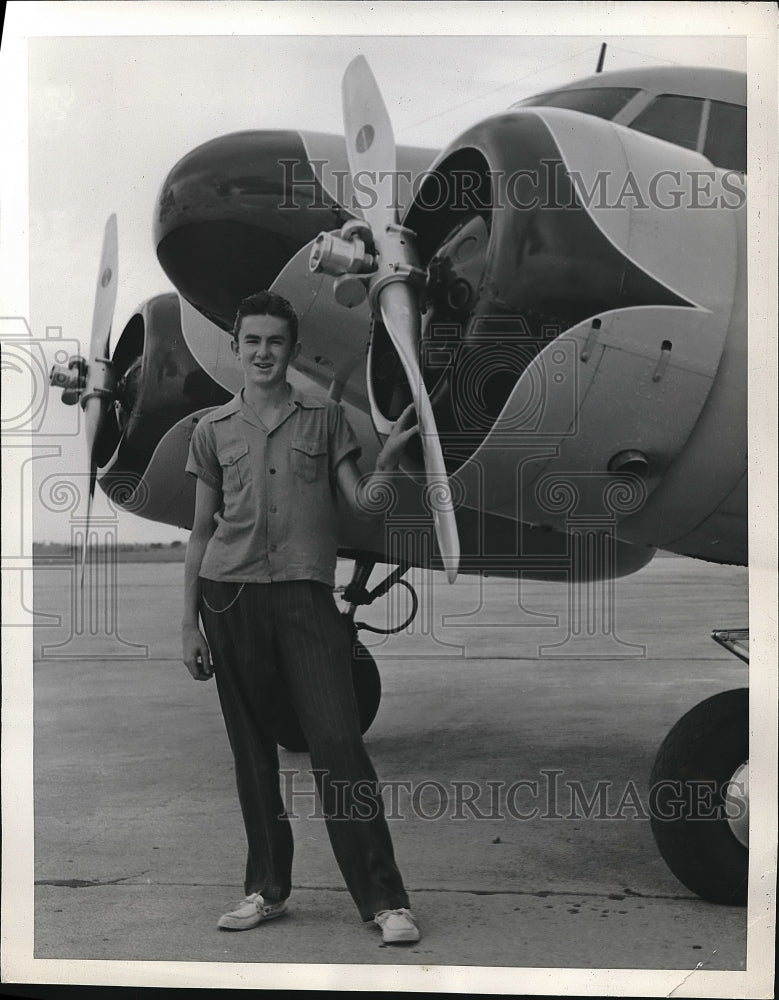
pixel 309 458
pixel 236 472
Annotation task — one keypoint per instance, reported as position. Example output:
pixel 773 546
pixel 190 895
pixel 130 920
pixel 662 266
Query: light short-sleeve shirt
pixel 278 516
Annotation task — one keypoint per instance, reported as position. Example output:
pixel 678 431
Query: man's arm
pixel 355 488
pixel 194 646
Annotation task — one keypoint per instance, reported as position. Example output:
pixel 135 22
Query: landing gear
pixel 699 795
pixel 365 673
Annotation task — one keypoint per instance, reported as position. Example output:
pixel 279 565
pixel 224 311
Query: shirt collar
pixel 230 407
pixel 296 398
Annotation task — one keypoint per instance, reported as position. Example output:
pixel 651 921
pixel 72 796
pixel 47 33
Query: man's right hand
pixel 195 653
pixel 402 430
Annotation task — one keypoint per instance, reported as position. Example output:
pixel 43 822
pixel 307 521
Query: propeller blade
pixel 85 546
pixel 105 291
pixel 98 390
pixel 98 376
pixel 370 147
pixel 400 314
pixel 370 143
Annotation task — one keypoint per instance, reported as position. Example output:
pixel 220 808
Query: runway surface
pixel 138 837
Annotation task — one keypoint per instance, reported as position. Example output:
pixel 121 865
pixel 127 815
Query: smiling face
pixel 265 349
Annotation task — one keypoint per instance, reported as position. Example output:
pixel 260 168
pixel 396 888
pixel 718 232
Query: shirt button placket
pixel 270 525
pixel 271 528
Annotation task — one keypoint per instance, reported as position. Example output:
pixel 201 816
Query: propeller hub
pixel 71 380
pixel 336 255
pixel 396 260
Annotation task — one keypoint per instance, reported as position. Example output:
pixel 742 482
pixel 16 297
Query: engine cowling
pixel 585 326
pixel 235 210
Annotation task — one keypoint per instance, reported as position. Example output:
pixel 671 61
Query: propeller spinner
pixel 390 272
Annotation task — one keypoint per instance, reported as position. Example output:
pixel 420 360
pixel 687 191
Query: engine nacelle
pixel 585 327
pixel 160 391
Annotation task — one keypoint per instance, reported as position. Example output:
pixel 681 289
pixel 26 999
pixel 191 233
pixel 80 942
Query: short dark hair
pixel 266 303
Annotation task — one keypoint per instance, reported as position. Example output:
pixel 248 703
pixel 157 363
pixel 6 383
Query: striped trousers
pixel 267 637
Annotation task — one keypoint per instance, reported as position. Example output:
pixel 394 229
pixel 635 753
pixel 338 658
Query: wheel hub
pixel 737 804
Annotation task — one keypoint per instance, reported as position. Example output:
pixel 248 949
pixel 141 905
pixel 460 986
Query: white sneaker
pixel 397 926
pixel 251 912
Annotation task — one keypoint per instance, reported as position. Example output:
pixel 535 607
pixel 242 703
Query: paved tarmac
pixel 138 837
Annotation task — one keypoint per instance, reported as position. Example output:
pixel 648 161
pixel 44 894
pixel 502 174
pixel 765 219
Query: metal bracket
pixel 735 640
pixel 356 594
pixel 96 392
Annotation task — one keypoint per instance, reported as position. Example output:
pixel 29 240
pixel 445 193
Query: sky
pixel 108 117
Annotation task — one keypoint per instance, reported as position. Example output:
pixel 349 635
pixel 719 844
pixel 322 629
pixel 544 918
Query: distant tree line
pixel 122 546
pixel 126 551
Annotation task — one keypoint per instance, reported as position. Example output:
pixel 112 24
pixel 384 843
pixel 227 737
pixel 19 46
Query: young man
pixel 260 571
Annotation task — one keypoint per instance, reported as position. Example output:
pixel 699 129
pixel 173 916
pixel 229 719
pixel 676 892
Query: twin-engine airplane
pixel 562 294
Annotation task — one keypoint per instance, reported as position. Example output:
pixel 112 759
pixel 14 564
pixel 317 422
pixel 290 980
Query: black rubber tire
pixel 701 753
pixel 367 690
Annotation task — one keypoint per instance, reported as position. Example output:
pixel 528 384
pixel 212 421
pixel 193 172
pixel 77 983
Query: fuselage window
pixel 603 102
pixel 726 136
pixel 673 118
